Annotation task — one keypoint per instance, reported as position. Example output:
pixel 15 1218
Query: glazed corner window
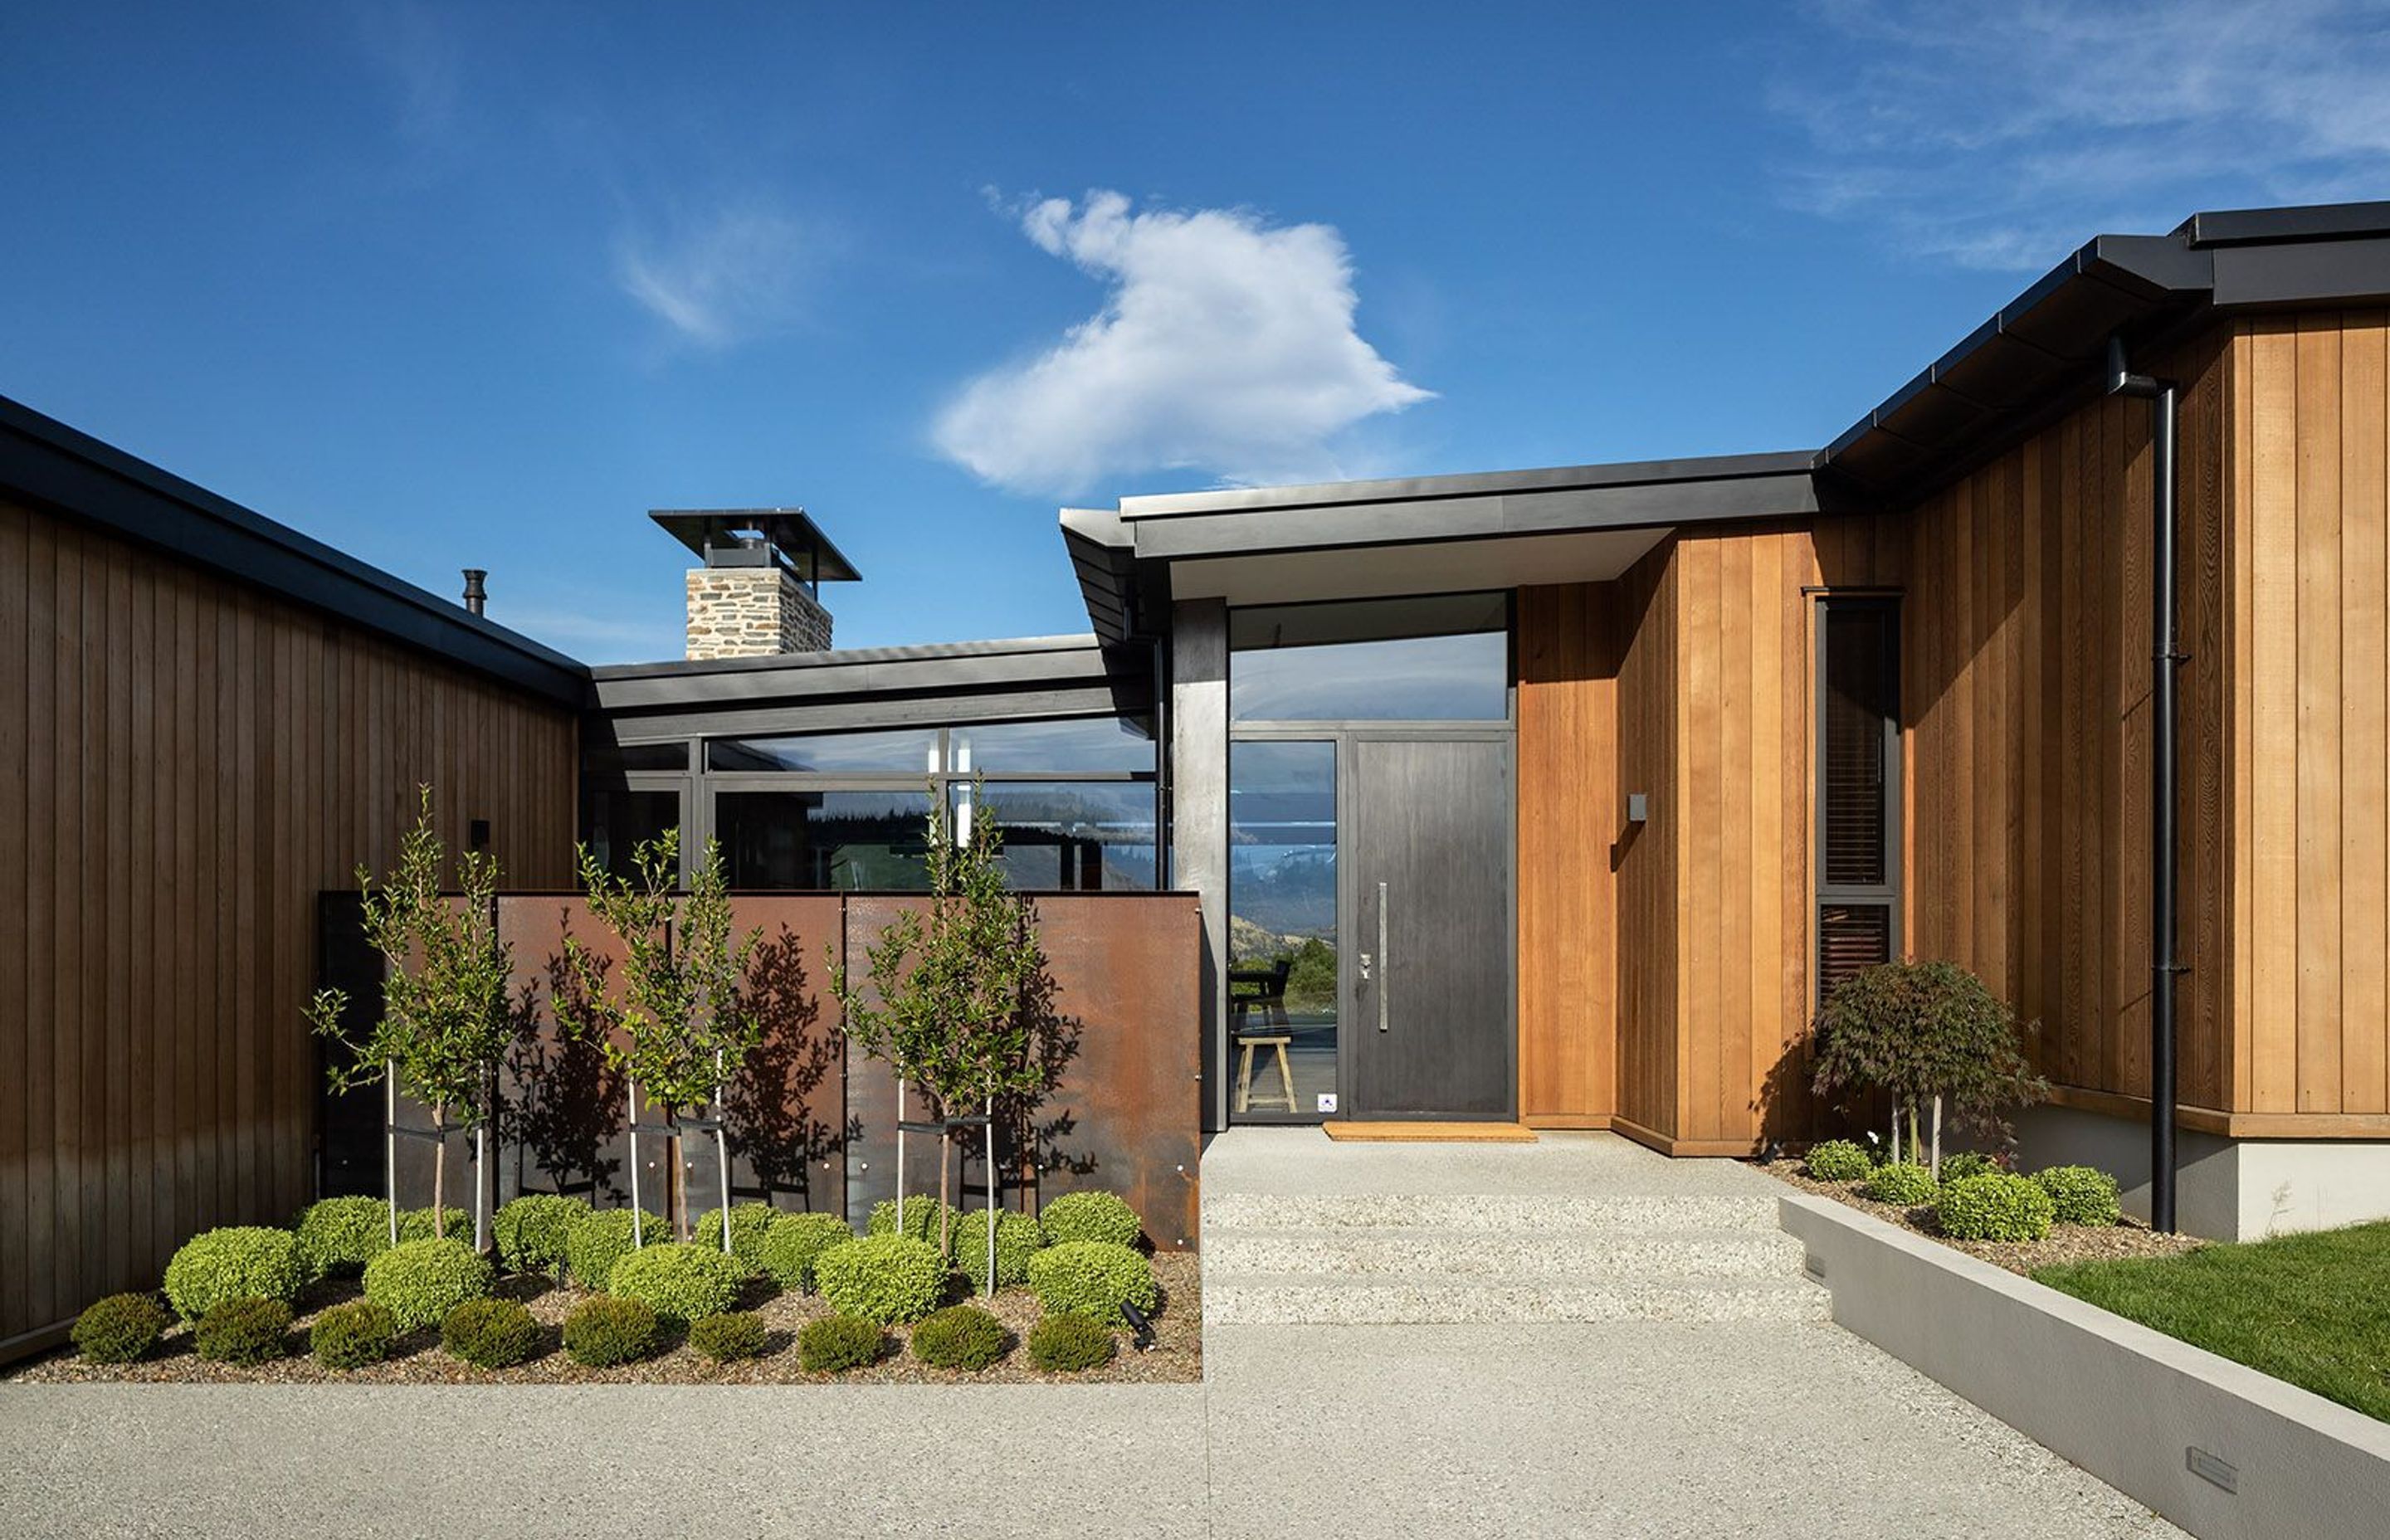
pixel 1858 858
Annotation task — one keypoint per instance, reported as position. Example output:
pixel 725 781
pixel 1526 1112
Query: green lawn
pixel 2312 1309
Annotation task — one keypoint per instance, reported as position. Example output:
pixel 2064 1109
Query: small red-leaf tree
pixel 1927 1034
pixel 946 1009
pixel 444 1020
pixel 671 1018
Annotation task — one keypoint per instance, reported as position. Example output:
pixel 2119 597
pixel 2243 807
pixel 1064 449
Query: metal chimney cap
pixel 797 541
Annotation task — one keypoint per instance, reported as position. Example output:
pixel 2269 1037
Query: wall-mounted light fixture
pixel 1638 807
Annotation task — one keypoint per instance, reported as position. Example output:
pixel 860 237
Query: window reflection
pixel 1282 974
pixel 912 751
pixel 1441 658
pixel 1077 746
pixel 1064 837
pixel 819 840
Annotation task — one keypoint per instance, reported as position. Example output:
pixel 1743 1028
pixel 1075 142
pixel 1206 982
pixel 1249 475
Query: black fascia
pixel 57 467
pixel 953 670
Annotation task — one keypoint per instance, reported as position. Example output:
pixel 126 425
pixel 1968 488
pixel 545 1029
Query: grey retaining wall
pixel 2216 1447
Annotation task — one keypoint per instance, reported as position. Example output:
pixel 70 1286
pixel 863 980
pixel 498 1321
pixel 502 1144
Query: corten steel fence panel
pixel 787 1111
pixel 1120 1006
pixel 562 1128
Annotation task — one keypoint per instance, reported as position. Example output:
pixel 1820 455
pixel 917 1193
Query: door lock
pixel 1365 968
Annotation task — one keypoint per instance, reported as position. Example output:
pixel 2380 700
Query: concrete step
pixel 1297 1299
pixel 1431 1255
pixel 1624 1215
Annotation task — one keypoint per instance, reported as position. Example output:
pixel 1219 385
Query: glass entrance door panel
pixel 1283 967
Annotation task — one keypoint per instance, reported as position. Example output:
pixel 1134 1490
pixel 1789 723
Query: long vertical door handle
pixel 1385 964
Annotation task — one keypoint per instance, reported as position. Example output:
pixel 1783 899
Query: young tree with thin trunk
pixel 671 1018
pixel 945 1011
pixel 444 1021
pixel 1929 1036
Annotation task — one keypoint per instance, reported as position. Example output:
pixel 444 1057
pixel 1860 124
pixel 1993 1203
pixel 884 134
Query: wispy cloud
pixel 2001 136
pixel 726 275
pixel 422 61
pixel 1226 345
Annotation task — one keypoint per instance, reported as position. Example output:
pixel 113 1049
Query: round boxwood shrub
pixel 455 1224
pixel 602 1237
pixel 2080 1195
pixel 882 1278
pixel 420 1282
pixel 1090 1216
pixel 836 1342
pixel 679 1280
pixel 1968 1162
pixel 244 1331
pixel 339 1236
pixel 1018 1238
pixel 1839 1160
pixel 119 1329
pixel 491 1334
pixel 732 1334
pixel 533 1230
pixel 922 1212
pixel 238 1262
pixel 959 1337
pixel 1092 1277
pixel 1998 1207
pixel 749 1224
pixel 1901 1182
pixel 1066 1344
pixel 603 1332
pixel 795 1241
pixel 351 1336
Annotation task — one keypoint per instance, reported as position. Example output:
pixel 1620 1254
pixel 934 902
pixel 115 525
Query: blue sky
pixel 472 284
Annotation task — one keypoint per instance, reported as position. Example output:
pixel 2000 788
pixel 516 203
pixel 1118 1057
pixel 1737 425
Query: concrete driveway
pixel 1632 1429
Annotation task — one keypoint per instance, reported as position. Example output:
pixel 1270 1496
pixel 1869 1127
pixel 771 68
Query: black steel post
pixel 2165 658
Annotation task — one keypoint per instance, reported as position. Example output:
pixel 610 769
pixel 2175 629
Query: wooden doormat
pixel 1431 1133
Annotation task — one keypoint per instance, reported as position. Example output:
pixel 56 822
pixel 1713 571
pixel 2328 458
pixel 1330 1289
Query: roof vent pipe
pixel 2165 660
pixel 477 598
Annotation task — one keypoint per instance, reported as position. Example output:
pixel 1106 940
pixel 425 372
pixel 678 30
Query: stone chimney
pixel 759 592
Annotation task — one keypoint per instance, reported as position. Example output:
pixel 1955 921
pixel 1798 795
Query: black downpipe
pixel 2165 659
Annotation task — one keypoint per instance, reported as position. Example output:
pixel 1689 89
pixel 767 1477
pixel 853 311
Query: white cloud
pixel 2001 137
pixel 1225 346
pixel 724 276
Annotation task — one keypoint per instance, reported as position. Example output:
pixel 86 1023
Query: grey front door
pixel 1429 1028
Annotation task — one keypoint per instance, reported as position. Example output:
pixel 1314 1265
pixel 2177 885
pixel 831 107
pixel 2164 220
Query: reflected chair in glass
pixel 1260 992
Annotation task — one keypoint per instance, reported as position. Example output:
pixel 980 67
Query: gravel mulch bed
pixel 2128 1237
pixel 1176 1357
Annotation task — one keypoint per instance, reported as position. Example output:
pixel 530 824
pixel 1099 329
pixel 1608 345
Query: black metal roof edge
pixel 2307 221
pixel 834 566
pixel 83 477
pixel 1080 641
pixel 1711 468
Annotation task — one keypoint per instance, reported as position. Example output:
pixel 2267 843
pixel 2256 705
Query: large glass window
pixel 1858 785
pixel 1078 746
pixel 1068 836
pixel 912 751
pixel 1439 659
pixel 617 821
pixel 1282 963
pixel 846 840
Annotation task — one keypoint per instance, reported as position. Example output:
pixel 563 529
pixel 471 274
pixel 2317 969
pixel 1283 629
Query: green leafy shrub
pixel 679 1280
pixel 1904 1183
pixel 920 1217
pixel 351 1336
pixel 836 1342
pixel 534 1230
pixel 882 1278
pixel 749 1224
pixel 795 1242
pixel 1090 1216
pixel 238 1262
pixel 602 1237
pixel 491 1334
pixel 2080 1195
pixel 339 1236
pixel 1066 1344
pixel 1839 1160
pixel 1018 1238
pixel 455 1224
pixel 244 1331
pixel 1918 1031
pixel 732 1334
pixel 1968 1162
pixel 420 1282
pixel 1092 1277
pixel 119 1329
pixel 959 1337
pixel 604 1330
pixel 1998 1207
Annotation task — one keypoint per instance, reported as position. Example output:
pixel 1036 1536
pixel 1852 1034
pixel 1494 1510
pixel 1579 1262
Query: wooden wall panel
pixel 2309 716
pixel 1651 921
pixel 184 761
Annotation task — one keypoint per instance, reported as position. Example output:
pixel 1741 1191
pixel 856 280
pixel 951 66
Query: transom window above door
pixel 1445 658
